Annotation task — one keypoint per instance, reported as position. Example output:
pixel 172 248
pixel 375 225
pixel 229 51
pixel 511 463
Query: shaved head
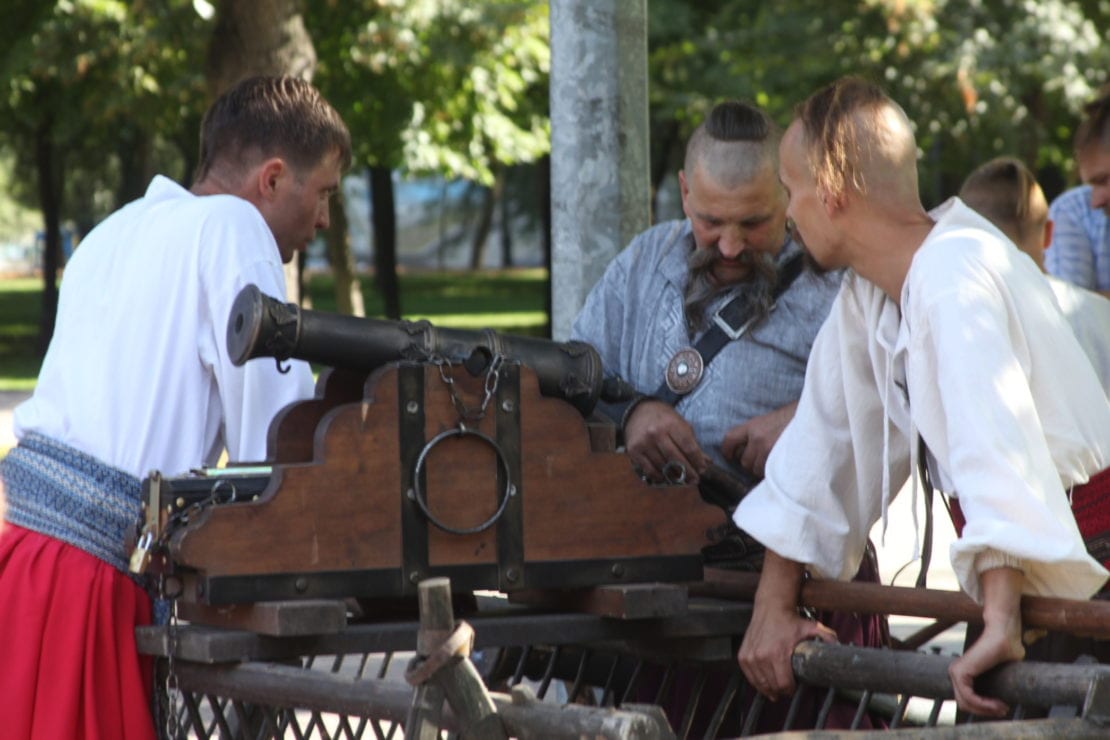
pixel 735 144
pixel 859 140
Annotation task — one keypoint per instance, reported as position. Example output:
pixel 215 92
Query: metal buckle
pixel 726 327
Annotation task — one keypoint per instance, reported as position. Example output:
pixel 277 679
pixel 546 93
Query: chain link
pixel 467 413
pixel 173 692
pixel 178 519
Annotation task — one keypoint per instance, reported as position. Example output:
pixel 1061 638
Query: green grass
pixel 507 301
pixel 20 309
pixel 510 301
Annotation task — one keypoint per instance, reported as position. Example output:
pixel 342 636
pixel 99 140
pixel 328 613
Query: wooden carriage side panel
pixel 292 431
pixel 578 504
pixel 339 512
pixel 344 510
pixel 595 506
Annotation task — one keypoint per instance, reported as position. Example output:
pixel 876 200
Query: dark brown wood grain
pixel 341 508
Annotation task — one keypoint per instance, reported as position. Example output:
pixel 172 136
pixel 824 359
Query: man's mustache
pixel 706 257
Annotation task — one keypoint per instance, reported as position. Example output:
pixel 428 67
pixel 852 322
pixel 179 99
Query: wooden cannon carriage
pixel 426 452
pixel 430 452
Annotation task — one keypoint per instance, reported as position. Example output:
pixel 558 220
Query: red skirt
pixel 69 666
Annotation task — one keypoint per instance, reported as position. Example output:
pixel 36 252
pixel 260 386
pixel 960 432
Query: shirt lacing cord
pixel 914 444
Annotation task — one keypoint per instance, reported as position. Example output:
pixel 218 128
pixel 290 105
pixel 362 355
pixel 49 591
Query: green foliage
pixel 978 78
pixel 445 86
pixel 98 74
pixel 459 87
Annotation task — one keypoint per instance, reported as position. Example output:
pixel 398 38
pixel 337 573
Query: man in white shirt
pixel 1006 192
pixel 137 378
pixel 942 332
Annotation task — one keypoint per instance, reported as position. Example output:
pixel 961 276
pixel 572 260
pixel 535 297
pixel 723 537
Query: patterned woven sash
pixel 56 490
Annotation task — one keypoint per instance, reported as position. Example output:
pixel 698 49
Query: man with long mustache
pixel 661 294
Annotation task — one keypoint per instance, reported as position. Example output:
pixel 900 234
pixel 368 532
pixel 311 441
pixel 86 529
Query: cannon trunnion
pixel 421 469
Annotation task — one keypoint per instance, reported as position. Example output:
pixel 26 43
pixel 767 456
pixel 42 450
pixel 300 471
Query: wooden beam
pixel 1084 618
pixel 625 601
pixel 276 618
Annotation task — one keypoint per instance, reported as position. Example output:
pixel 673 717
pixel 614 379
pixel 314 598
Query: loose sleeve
pixel 244 253
pixel 969 384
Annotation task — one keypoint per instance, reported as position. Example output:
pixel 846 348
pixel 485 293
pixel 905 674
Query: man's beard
pixel 702 287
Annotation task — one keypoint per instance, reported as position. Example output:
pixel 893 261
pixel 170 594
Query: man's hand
pixel 775 629
pixel 655 434
pixel 999 643
pixel 750 443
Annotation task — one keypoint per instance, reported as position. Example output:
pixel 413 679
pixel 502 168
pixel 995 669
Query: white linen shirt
pixel 137 373
pixel 982 364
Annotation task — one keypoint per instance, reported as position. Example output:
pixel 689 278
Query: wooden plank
pixel 622 601
pixel 1083 618
pixel 517 626
pixel 455 675
pixel 275 618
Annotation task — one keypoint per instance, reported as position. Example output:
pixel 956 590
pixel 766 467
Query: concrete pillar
pixel 600 185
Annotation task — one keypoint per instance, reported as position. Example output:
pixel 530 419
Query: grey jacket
pixel 634 317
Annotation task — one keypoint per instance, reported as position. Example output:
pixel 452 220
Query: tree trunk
pixel 133 149
pixel 348 292
pixel 505 228
pixel 253 37
pixel 50 200
pixel 258 37
pixel 384 215
pixel 490 196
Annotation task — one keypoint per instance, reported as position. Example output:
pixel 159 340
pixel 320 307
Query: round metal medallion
pixel 684 371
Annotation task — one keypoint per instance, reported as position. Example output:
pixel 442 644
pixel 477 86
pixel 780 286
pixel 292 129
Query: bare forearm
pixel 1000 641
pixel 776 628
pixel 779 583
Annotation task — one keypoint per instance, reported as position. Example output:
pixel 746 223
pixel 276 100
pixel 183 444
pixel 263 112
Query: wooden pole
pixel 919 674
pixel 274 685
pixel 1084 618
pixel 456 679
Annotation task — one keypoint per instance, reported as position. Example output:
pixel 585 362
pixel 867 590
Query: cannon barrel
pixel 262 326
